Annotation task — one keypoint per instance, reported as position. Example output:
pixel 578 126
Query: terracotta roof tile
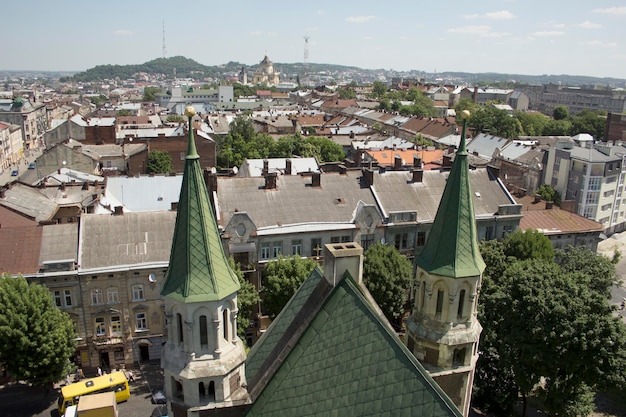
pixel 553 220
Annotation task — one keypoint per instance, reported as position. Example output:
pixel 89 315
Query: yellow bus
pixel 115 381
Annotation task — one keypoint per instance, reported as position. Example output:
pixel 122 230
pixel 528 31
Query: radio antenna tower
pixel 306 61
pixel 164 50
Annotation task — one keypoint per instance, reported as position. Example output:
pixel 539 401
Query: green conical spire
pixel 452 246
pixel 198 269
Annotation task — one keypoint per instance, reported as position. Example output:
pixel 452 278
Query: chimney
pixel 397 162
pixel 210 180
pixel 417 162
pixel 495 171
pixel 537 198
pixel 174 206
pixel 2 191
pixel 266 167
pixel 270 181
pixel 357 157
pixel 288 167
pixel 340 258
pixel 342 169
pixel 85 185
pixel 418 175
pixel 475 95
pixel 118 211
pixel 316 180
pixel 368 174
pixel 549 205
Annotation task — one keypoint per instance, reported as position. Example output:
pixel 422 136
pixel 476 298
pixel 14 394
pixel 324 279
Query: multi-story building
pixel 592 177
pixel 547 97
pixel 11 145
pixel 32 118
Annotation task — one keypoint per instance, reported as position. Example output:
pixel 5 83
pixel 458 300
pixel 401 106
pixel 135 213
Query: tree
pixel 149 93
pixel 465 104
pixel 282 277
pixel 588 121
pixel 124 113
pixel 37 339
pixel 532 123
pixel 346 93
pixel 557 128
pixel 247 298
pixel 159 162
pixel 560 113
pixel 546 330
pixel 379 89
pixel 175 118
pixel 548 193
pixel 528 244
pixel 387 275
pixel 495 122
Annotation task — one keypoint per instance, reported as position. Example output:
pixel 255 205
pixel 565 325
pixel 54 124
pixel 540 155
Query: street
pixel 607 247
pixel 22 400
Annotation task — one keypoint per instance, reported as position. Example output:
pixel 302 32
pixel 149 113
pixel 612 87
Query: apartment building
pixel 32 118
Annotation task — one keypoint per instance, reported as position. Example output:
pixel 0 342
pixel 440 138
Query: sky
pixel 530 37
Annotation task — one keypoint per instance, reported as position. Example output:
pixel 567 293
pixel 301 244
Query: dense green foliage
pixel 37 339
pixel 497 122
pixel 528 244
pixel 159 162
pixel 242 142
pixel 548 193
pixel 548 329
pixel 421 105
pixel 247 299
pixel 149 93
pixel 282 277
pixel 387 275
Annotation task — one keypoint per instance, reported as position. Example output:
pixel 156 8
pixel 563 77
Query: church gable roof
pixel 347 361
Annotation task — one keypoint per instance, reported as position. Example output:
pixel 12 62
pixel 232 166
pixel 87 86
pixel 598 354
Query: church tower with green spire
pixel 443 331
pixel 203 358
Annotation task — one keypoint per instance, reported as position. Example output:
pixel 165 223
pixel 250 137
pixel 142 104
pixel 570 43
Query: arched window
pixel 459 313
pixel 204 337
pixel 212 391
pixel 439 308
pixel 201 391
pixel 179 324
pixel 226 324
pixel 422 295
pixel 178 388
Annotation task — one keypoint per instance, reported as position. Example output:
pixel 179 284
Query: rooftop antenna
pixel 306 60
pixel 164 50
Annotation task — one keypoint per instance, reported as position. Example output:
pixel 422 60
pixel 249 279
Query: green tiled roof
pixel 348 362
pixel 452 246
pixel 263 348
pixel 198 269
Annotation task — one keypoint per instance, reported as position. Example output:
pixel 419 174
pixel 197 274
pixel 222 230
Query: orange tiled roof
pixel 554 220
pixel 386 157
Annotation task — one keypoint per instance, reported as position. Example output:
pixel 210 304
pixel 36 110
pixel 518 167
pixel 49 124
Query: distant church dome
pixel 265 74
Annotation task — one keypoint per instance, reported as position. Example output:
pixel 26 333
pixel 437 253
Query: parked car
pixel 15 173
pixel 159 398
pixel 31 165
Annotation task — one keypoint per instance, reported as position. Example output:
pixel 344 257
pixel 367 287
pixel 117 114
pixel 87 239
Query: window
pixel 489 233
pixel 421 238
pixel 401 241
pixel 296 247
pixel 116 326
pixel 265 251
pixel 112 296
pixel 182 156
pixel 68 298
pixel 606 207
pixel 96 296
pixel 459 312
pixel 506 229
pixel 100 327
pixel 316 247
pixel 277 249
pixel 141 322
pixel 338 239
pixel 439 308
pixel 58 299
pixel 138 292
pixel 367 241
pixel 204 337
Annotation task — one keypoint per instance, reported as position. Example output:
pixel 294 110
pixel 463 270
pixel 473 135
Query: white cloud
pixel 548 33
pixel 589 25
pixel 122 32
pixel 612 10
pixel 600 44
pixel 472 29
pixel 558 25
pixel 256 33
pixel 500 15
pixel 360 19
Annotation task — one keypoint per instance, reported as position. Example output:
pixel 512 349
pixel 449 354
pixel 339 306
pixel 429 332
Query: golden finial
pixel 190 111
pixel 465 114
